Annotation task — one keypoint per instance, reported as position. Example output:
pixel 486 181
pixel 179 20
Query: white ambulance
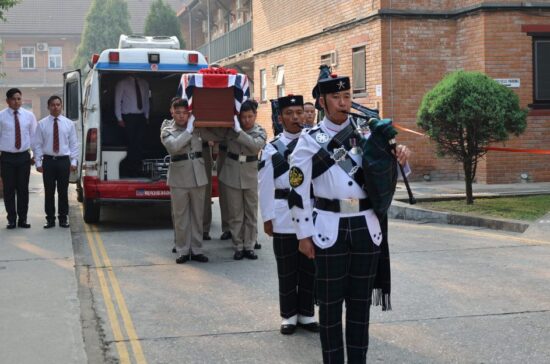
pixel 89 102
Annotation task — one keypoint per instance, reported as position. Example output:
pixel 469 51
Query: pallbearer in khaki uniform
pixel 222 153
pixel 187 181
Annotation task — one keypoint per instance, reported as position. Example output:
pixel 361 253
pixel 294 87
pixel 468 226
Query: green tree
pixel 5 5
pixel 162 20
pixel 105 22
pixel 464 113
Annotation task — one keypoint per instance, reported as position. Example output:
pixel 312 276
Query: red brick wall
pixel 407 57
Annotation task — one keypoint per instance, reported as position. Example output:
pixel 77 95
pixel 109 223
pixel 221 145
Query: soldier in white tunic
pixel 339 229
pixel 295 271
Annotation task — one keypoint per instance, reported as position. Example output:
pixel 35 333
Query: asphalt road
pixel 460 295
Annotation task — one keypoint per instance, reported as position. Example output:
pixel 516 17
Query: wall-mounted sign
pixel 509 82
pixel 378 90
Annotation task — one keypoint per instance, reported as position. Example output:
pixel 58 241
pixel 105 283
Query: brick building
pixel 396 50
pixel 39 40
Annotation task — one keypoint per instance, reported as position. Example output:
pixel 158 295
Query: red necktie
pixel 17 130
pixel 55 136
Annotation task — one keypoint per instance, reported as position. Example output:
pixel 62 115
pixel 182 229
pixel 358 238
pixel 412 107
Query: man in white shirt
pixel 56 150
pixel 17 127
pixel 132 113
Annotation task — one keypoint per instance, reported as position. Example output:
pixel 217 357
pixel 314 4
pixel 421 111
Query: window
pixel 71 95
pixel 27 58
pixel 280 82
pixel 263 85
pixel 359 71
pixel 54 58
pixel 541 75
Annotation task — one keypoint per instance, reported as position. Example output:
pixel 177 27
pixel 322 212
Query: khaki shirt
pixel 178 141
pixel 235 174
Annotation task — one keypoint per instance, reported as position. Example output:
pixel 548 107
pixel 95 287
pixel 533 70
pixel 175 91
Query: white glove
pixel 191 123
pixel 236 125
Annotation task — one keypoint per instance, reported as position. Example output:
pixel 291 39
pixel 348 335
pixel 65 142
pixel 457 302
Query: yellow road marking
pixel 128 324
pixel 472 232
pixel 117 333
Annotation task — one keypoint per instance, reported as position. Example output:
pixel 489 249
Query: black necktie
pixel 138 95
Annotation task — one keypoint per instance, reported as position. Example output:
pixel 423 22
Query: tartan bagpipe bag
pixel 380 164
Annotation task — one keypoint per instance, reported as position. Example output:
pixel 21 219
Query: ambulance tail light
pixel 95 58
pixel 91 145
pixel 114 57
pixel 193 58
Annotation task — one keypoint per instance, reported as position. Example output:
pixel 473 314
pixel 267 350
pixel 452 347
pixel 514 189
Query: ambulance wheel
pixel 79 192
pixel 91 211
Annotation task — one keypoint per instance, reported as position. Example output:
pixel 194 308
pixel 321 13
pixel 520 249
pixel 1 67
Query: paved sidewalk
pixel 39 306
pixel 401 209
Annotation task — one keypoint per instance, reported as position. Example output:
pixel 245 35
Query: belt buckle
pixel 349 206
pixel 242 158
pixel 191 155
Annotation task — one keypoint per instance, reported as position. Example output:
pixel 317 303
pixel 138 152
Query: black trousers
pixel 296 277
pixel 56 175
pixel 16 170
pixel 134 130
pixel 346 273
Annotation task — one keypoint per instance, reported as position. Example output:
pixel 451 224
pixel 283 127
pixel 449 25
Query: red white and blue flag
pixel 215 78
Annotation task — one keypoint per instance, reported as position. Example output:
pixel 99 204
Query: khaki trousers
pixel 207 216
pixel 222 189
pixel 242 217
pixel 187 213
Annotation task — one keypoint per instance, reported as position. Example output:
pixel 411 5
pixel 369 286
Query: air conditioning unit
pixel 333 59
pixel 41 47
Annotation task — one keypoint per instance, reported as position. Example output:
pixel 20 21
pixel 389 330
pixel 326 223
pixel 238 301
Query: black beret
pixel 290 100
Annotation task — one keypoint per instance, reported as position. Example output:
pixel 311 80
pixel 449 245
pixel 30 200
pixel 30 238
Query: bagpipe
pixel 377 141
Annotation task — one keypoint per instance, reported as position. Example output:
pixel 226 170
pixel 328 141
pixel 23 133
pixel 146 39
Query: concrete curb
pixel 404 211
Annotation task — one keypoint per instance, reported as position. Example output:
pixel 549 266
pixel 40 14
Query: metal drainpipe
pixel 391 63
pixel 208 35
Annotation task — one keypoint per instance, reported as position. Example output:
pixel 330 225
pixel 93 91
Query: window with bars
pixel 263 85
pixel 28 60
pixel 55 58
pixel 359 71
pixel 541 74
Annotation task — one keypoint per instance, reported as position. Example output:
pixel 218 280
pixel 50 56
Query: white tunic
pixel 334 183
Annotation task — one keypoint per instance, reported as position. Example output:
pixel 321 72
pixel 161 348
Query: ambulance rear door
pixel 72 107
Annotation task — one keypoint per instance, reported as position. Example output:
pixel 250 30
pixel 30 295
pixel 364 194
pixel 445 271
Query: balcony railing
pixel 14 76
pixel 233 42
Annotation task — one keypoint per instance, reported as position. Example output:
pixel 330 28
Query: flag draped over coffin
pixel 215 78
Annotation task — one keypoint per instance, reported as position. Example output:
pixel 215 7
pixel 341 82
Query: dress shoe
pixel 288 329
pixel 239 254
pixel 199 258
pixel 174 250
pixel 206 236
pixel 24 225
pixel 182 259
pixel 11 225
pixel 249 254
pixel 312 326
pixel 226 235
pixel 49 225
pixel 257 246
pixel 64 224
